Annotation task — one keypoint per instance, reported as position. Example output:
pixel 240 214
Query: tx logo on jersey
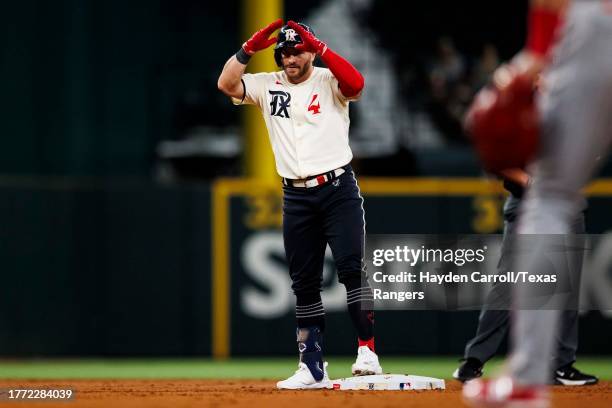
pixel 280 103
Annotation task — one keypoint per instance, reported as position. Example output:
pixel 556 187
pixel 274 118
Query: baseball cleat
pixel 504 392
pixel 569 375
pixel 366 363
pixel 302 379
pixel 468 370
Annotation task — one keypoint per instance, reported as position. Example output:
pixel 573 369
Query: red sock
pixel 369 343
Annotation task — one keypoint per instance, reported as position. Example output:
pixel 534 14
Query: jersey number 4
pixel 314 108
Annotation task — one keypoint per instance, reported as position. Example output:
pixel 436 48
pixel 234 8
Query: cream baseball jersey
pixel 308 123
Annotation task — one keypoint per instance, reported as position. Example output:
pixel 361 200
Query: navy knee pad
pixel 310 342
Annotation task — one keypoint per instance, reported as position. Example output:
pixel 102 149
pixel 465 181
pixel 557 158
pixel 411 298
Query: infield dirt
pixel 258 393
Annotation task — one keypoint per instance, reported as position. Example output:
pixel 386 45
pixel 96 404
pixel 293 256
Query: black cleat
pixel 468 370
pixel 569 375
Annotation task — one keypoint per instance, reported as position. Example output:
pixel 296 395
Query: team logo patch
pixel 290 34
pixel 279 106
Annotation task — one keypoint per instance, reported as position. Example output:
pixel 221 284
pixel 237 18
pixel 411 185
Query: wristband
pixel 242 56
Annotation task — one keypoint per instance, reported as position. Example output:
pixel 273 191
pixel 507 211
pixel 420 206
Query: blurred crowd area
pixel 423 63
pixel 129 89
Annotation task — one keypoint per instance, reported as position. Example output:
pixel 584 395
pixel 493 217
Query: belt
pixel 314 181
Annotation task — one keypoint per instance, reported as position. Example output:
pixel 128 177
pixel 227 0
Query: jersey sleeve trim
pixel 237 101
pixel 243 91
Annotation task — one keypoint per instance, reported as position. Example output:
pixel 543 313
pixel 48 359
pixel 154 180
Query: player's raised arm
pixel 350 80
pixel 230 79
pixel 514 143
pixel 544 19
pixel 557 5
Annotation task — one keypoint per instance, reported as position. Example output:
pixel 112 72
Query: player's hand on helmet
pixel 261 39
pixel 310 43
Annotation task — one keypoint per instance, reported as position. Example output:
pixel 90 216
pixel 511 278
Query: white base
pixel 388 382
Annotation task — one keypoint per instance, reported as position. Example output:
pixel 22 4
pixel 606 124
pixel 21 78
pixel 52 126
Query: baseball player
pixel 493 324
pixel 576 129
pixel 306 113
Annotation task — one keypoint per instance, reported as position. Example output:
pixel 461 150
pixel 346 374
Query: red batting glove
pixel 350 81
pixel 310 43
pixel 261 39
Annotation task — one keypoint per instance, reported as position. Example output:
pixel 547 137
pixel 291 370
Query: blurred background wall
pixel 95 88
pixel 115 138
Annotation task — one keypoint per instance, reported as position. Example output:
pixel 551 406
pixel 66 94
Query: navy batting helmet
pixel 287 37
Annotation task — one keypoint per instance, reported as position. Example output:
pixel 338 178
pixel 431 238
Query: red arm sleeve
pixel 542 27
pixel 350 80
